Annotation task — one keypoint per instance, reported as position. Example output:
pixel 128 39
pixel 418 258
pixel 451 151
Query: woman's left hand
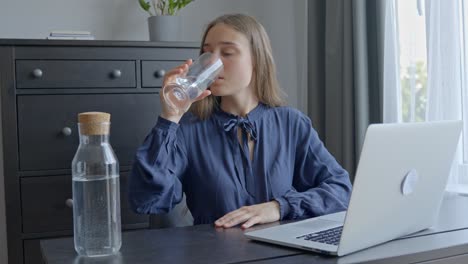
pixel 250 215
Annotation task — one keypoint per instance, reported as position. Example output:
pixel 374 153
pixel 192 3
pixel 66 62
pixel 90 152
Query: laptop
pixel 397 191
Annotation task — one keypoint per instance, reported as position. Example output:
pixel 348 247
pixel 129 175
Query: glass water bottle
pixel 96 192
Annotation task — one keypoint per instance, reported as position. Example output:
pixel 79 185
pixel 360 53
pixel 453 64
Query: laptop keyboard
pixel 330 236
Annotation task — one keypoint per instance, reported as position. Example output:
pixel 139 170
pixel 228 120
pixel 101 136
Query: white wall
pixel 285 22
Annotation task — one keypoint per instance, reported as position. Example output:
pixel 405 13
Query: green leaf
pixel 183 3
pixel 176 5
pixel 172 7
pixel 145 5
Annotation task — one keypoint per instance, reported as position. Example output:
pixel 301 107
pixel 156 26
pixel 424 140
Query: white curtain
pixel 463 168
pixel 445 82
pixel 391 66
pixel 446 25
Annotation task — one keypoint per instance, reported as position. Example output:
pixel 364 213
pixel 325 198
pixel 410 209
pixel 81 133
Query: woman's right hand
pixel 168 112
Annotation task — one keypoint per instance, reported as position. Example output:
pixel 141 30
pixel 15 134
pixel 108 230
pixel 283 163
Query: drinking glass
pixel 200 75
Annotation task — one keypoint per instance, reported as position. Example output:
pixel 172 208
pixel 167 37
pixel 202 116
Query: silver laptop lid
pixel 400 180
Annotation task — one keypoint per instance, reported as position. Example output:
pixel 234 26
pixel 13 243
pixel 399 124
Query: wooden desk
pixel 446 243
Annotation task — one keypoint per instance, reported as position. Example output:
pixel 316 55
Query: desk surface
pixel 447 241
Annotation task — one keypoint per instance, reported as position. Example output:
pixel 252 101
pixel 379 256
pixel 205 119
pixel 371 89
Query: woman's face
pixel 234 50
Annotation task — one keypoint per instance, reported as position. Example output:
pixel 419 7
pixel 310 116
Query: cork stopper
pixel 94 123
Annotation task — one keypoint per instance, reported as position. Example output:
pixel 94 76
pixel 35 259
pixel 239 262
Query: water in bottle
pixel 96 191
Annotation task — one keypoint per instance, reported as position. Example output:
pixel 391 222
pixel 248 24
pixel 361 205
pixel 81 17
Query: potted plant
pixel 163 22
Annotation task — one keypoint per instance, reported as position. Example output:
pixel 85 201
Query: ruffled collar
pixel 229 121
pixel 252 116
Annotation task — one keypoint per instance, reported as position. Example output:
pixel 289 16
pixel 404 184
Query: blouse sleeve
pixel 155 179
pixel 320 185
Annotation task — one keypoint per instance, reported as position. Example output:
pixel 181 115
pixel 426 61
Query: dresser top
pixel 96 43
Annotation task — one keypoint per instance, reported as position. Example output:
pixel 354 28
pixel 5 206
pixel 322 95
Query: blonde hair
pixel 264 81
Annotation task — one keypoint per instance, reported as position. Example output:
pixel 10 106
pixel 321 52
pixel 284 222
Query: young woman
pixel 240 157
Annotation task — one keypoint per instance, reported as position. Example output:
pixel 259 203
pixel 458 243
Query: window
pixel 427 69
pixel 413 62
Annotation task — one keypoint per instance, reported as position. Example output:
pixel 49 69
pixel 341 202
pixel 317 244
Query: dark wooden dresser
pixel 44 85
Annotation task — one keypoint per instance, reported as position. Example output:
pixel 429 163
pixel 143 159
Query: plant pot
pixel 164 28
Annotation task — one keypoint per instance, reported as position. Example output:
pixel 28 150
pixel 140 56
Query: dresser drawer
pixel 152 72
pixel 44 207
pixel 47 126
pixel 74 74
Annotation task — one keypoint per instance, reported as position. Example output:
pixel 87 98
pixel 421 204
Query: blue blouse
pixel 204 159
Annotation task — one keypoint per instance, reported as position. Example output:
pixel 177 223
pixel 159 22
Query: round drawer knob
pixel 69 202
pixel 159 73
pixel 37 73
pixel 66 131
pixel 116 74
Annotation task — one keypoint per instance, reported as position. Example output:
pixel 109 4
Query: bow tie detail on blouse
pixel 243 123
